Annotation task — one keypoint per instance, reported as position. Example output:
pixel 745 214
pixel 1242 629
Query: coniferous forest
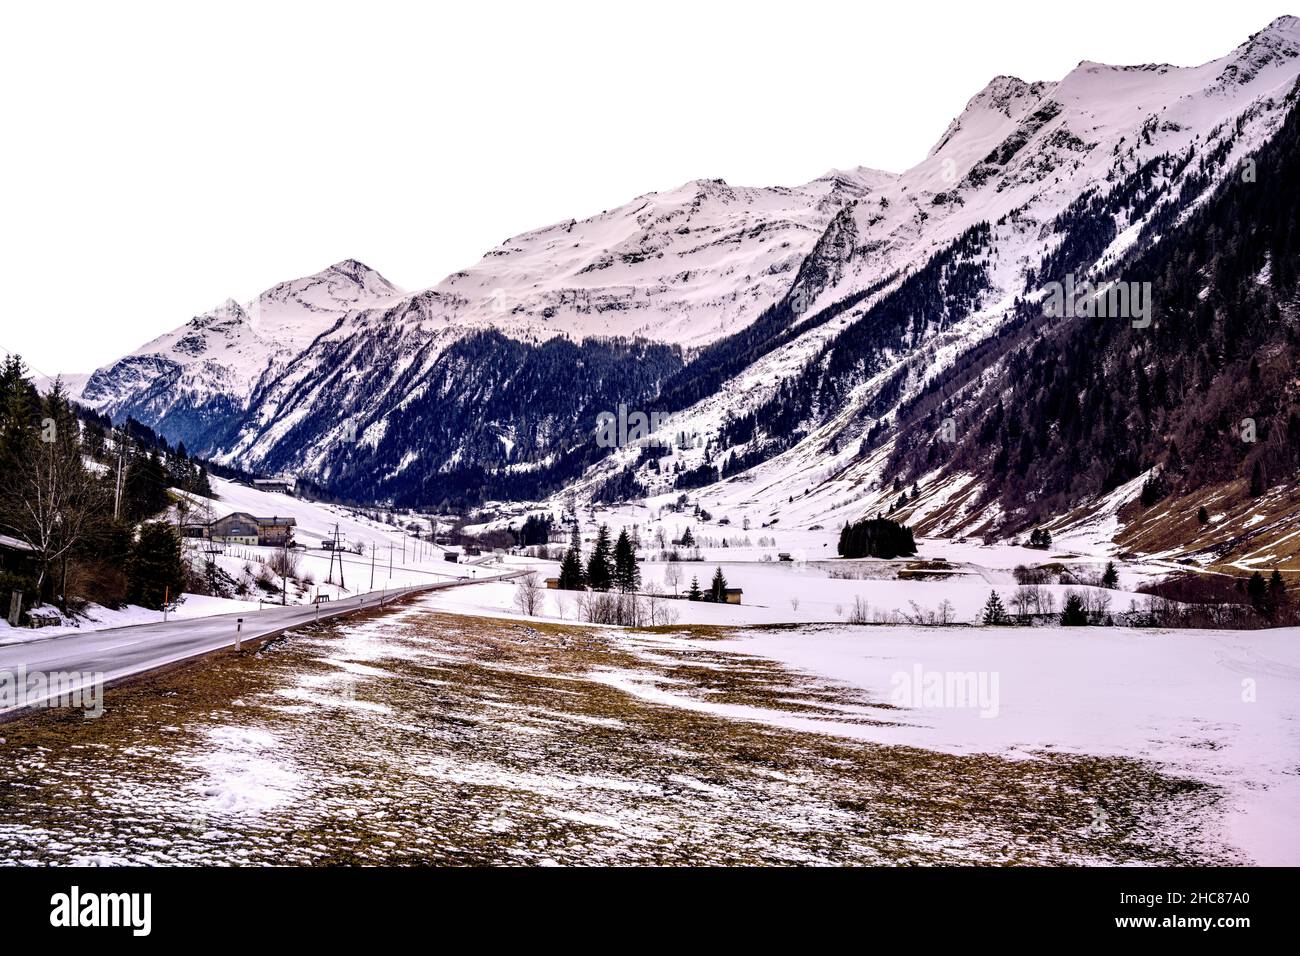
pixel 1205 394
pixel 876 538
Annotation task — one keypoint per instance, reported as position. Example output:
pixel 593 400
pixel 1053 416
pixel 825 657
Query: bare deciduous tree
pixel 673 577
pixel 53 500
pixel 528 594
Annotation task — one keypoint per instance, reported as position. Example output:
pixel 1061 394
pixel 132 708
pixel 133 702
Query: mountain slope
pixel 828 329
pixel 194 382
pixel 939 274
pixel 274 384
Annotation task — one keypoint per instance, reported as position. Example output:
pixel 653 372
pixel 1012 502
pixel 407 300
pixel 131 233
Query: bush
pixel 103 582
pixel 285 563
pixel 860 612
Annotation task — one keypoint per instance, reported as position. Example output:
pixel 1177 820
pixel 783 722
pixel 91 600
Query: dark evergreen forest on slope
pixel 1082 405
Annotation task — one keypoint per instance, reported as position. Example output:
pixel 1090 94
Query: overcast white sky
pixel 159 158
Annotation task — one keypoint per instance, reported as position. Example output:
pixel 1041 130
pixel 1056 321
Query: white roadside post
pixel 239 626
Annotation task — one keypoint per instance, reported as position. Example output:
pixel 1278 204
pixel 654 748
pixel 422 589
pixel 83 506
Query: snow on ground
pixel 390 557
pixel 241 772
pixel 315 520
pixel 777 594
pixel 823 585
pixel 781 592
pixel 1219 707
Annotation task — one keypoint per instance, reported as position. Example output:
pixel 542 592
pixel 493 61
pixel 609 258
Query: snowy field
pixel 1219 707
pixel 785 593
pixel 416 737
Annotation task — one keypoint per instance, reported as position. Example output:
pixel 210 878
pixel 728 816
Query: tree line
pixel 76 498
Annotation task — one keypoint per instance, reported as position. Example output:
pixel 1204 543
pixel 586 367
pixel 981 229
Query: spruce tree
pixel 1257 483
pixel 994 612
pixel 600 566
pixel 145 487
pixel 627 576
pixel 1276 587
pixel 688 539
pixel 571 576
pixel 1202 516
pixel 155 570
pixel 1110 577
pixel 1256 589
pixel 695 594
pixel 718 589
pixel 1073 614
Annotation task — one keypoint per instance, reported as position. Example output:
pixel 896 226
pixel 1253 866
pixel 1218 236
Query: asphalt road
pixel 117 653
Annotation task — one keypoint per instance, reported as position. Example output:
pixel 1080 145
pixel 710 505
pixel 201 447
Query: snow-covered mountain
pixel 687 266
pixel 784 328
pixel 932 265
pixel 196 380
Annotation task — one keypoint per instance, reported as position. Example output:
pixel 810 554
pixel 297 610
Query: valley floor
pixel 426 737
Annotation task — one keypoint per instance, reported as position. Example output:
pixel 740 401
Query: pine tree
pixel 627 576
pixel 155 569
pixel 600 566
pixel 688 539
pixel 994 612
pixel 695 594
pixel 1073 614
pixel 1257 483
pixel 718 589
pixel 1110 577
pixel 201 484
pixel 145 491
pixel 571 575
pixel 1202 516
pixel 18 415
pixel 1257 589
pixel 1276 587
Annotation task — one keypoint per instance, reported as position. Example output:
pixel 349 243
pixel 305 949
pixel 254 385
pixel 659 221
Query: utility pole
pixel 334 551
pixel 390 560
pixel 372 565
pixel 117 488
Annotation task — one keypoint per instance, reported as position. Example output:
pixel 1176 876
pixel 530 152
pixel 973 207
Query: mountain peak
pixel 362 275
pixel 1283 24
pixel 1002 98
